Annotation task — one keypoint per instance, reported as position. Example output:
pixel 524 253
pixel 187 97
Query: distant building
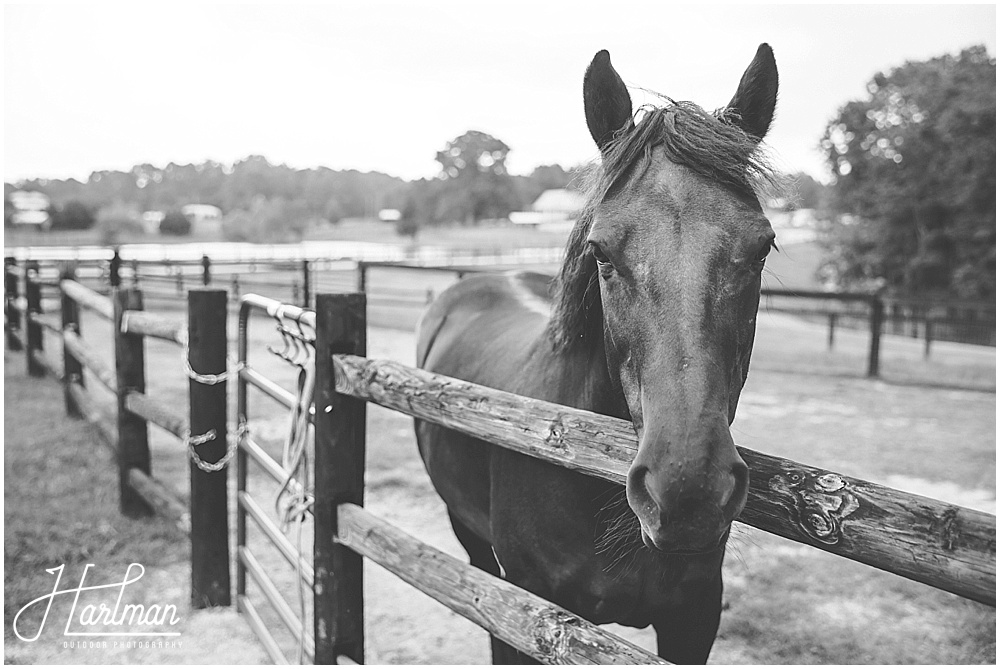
pixel 560 201
pixel 205 218
pixel 151 221
pixel 554 208
pixel 30 209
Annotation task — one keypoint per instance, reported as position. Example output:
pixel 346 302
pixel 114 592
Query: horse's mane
pixel 709 144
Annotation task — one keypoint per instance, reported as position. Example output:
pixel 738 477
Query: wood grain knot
pixel 817 503
pixel 552 631
pixel 557 433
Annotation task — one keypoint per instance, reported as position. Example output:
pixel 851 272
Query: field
pixel 351 229
pixel 929 427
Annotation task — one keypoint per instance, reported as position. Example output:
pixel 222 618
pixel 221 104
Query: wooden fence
pixel 123 426
pixel 946 546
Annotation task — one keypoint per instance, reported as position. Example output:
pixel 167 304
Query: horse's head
pixel 678 241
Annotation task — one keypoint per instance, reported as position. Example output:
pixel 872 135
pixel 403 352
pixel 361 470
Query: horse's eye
pixel 598 253
pixel 763 253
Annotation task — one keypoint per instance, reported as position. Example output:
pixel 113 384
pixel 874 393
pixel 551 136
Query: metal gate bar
pixel 249 450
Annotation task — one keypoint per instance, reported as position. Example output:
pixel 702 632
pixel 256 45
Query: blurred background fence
pixel 399 290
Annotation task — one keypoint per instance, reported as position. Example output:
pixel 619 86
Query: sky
pixel 385 85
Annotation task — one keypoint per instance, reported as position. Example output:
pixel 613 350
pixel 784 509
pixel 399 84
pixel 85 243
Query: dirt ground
pixel 786 603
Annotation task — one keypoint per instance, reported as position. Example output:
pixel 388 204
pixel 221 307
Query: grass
pixel 786 603
pixel 61 508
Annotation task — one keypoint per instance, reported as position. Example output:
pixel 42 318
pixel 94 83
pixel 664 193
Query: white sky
pixel 383 85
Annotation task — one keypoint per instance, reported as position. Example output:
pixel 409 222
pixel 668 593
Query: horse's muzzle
pixel 680 512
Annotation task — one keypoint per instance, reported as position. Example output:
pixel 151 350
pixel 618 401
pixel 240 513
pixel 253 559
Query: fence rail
pixel 547 632
pixel 947 546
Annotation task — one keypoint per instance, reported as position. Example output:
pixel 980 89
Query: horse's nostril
pixel 640 497
pixel 738 495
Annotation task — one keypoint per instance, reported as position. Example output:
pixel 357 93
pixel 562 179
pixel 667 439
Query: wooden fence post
pixel 33 340
pixel 305 284
pixel 130 375
pixel 876 317
pixel 207 344
pixel 72 369
pixel 12 327
pixel 362 276
pixel 928 335
pixel 338 608
pixel 115 269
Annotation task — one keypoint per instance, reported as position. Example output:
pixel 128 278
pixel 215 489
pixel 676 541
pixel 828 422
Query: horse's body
pixel 665 347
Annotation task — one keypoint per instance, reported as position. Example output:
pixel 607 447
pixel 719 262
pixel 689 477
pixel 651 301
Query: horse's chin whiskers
pixel 621 537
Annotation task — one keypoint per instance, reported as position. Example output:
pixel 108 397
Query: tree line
pixel 266 202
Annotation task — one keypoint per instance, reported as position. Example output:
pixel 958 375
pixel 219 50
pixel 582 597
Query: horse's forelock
pixel 708 144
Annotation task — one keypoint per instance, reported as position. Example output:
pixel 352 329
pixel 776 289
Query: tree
pixel 175 223
pixel 74 215
pixel 276 220
pixel 915 175
pixel 475 180
pixel 117 220
pixel 408 227
pixel 8 212
pixel 333 212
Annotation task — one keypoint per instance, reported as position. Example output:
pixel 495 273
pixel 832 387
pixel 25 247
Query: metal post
pixel 209 500
pixel 12 311
pixel 876 317
pixel 206 271
pixel 72 369
pixel 340 478
pixel 241 454
pixel 130 373
pixel 33 331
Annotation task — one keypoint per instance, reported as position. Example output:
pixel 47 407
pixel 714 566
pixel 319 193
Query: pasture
pixel 786 603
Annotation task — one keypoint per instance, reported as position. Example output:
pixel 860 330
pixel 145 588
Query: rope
pixel 233 439
pixel 291 504
pixel 234 367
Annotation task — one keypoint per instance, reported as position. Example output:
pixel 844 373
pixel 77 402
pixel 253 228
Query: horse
pixel 650 319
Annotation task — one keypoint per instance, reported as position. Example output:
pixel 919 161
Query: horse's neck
pixel 585 382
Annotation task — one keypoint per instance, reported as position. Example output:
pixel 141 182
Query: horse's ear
pixel 606 101
pixel 753 105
